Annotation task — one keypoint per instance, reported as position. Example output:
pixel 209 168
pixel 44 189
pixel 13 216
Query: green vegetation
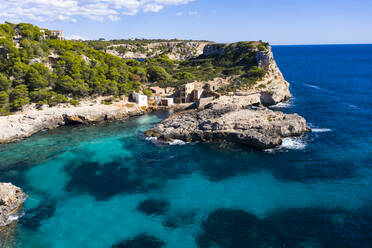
pixel 33 70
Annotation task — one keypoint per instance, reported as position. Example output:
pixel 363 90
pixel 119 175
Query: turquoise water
pixel 107 186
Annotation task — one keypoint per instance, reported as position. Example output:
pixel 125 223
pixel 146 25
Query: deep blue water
pixel 105 185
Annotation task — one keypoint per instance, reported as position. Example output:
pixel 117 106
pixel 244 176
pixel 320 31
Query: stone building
pixel 167 101
pixel 140 99
pixel 51 34
pixel 156 90
pixel 190 92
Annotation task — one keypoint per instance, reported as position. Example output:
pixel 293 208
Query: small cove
pixel 86 184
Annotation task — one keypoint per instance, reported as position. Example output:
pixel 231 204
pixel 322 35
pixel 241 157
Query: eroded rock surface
pixel 11 200
pixel 28 122
pixel 232 119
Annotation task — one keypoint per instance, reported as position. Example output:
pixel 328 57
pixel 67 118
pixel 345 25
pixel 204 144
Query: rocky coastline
pixel 11 200
pixel 241 117
pixel 31 120
pixel 224 120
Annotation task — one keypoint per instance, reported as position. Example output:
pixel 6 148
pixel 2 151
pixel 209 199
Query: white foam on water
pixel 14 217
pixel 151 138
pixel 353 106
pixel 293 143
pixel 283 105
pixel 316 129
pixel 177 142
pixel 313 86
pixel 321 130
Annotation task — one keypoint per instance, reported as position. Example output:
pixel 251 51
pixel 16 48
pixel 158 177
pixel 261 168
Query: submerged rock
pixel 11 200
pixel 141 241
pixel 153 207
pixel 234 120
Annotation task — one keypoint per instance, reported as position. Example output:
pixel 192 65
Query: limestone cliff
pixel 235 117
pixel 273 84
pixel 176 50
pixel 273 88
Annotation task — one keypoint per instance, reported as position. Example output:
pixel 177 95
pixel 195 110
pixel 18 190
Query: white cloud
pixel 179 14
pixel 75 37
pixel 70 10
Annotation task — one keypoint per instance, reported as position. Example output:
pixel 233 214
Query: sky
pixel 275 21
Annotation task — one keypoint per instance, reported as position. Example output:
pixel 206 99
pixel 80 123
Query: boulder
pixel 11 200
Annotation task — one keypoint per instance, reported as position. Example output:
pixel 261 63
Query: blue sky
pixel 275 21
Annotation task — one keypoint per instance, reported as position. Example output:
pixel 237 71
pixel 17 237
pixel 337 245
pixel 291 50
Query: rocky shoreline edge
pixel 11 201
pixel 30 120
pixel 241 117
pixel 237 119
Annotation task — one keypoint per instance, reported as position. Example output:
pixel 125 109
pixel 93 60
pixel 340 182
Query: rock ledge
pixel 11 200
pixel 224 119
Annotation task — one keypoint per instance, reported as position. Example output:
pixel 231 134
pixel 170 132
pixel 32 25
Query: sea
pixel 107 185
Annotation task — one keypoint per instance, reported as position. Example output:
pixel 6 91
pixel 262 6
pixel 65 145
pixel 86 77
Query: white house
pixel 140 99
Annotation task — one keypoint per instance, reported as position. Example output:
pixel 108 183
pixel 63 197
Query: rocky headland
pixel 234 107
pixel 241 117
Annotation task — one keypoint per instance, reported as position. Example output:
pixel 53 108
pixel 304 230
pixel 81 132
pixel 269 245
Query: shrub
pixel 74 102
pixel 34 80
pixel 4 99
pixel 262 48
pixel 147 92
pixel 55 99
pixel 184 76
pixel 255 71
pixel 237 70
pixel 39 95
pixel 132 62
pixel 157 74
pixel 19 97
pixel 5 83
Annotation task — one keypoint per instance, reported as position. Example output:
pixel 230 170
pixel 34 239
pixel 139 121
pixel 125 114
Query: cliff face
pixel 273 87
pixel 276 87
pixel 234 117
pixel 176 50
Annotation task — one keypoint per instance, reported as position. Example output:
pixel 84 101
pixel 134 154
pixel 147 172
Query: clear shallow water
pixel 106 185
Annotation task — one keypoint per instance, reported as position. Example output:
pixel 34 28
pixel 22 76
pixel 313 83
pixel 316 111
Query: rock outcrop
pixel 176 50
pixel 11 200
pixel 28 122
pixel 273 88
pixel 231 119
pixel 236 118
